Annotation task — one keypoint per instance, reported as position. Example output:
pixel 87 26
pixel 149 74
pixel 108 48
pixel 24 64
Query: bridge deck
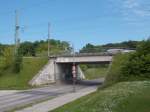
pixel 84 59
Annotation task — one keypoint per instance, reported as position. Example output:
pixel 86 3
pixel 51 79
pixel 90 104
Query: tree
pixel 138 63
pixel 131 66
pixel 89 48
pixel 8 57
pixel 27 49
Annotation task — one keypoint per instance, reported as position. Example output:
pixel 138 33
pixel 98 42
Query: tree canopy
pixel 89 48
pixel 40 48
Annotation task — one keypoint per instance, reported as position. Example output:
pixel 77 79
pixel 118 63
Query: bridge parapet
pixel 84 59
pixel 83 54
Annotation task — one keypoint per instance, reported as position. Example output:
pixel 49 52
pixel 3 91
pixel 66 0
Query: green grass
pixel 31 66
pixel 114 74
pixel 121 97
pixel 94 73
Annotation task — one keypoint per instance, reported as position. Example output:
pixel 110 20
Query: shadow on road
pixel 90 82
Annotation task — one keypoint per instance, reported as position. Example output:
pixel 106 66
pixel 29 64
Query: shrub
pixel 8 57
pixel 138 64
pixel 131 66
pixel 114 74
pixel 83 67
pixel 143 48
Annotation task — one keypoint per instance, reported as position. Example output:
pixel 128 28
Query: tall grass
pixel 31 66
pixel 121 97
pixel 95 73
pixel 115 74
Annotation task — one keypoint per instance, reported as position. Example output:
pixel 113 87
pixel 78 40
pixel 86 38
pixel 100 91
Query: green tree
pixel 27 49
pixel 8 57
pixel 131 66
pixel 89 48
pixel 139 62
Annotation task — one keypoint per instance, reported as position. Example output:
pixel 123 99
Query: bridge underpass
pixel 60 65
pixel 59 68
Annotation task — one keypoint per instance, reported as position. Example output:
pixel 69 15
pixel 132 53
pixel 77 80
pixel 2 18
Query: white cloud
pixel 130 4
pixel 136 8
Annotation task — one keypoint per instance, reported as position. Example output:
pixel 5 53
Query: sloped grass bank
pixel 94 73
pixel 31 66
pixel 121 97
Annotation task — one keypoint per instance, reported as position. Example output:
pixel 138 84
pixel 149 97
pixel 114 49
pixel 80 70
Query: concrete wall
pixel 53 72
pixel 45 75
pixel 80 74
pixel 84 59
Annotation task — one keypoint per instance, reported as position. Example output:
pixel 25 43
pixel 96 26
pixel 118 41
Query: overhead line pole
pixel 17 40
pixel 74 71
pixel 48 39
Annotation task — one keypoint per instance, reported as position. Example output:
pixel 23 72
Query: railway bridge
pixel 60 67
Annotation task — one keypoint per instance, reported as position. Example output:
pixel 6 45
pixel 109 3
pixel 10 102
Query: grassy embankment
pixel 121 97
pixel 125 89
pixel 95 72
pixel 31 66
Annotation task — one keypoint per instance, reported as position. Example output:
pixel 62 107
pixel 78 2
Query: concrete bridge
pixel 59 68
pixel 83 59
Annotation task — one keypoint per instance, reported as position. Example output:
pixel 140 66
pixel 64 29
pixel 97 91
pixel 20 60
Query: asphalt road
pixel 23 98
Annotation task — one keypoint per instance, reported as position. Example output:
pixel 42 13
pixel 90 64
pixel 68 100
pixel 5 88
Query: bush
pixel 83 67
pixel 138 64
pixel 114 74
pixel 131 66
pixel 8 57
pixel 1 65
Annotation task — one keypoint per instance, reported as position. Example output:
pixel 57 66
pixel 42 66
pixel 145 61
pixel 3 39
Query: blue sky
pixel 76 21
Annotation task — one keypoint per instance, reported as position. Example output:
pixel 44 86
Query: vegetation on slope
pixel 132 66
pixel 115 74
pixel 96 71
pixel 31 66
pixel 121 97
pixel 15 72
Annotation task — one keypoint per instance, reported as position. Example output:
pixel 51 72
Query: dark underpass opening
pixel 87 74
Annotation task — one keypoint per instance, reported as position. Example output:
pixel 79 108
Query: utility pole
pixel 48 39
pixel 17 27
pixel 74 71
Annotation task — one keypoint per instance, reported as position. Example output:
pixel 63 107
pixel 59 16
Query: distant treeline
pixel 102 48
pixel 40 48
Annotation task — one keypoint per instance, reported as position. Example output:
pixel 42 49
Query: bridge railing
pixel 83 54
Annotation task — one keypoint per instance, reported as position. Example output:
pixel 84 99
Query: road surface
pixel 23 98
